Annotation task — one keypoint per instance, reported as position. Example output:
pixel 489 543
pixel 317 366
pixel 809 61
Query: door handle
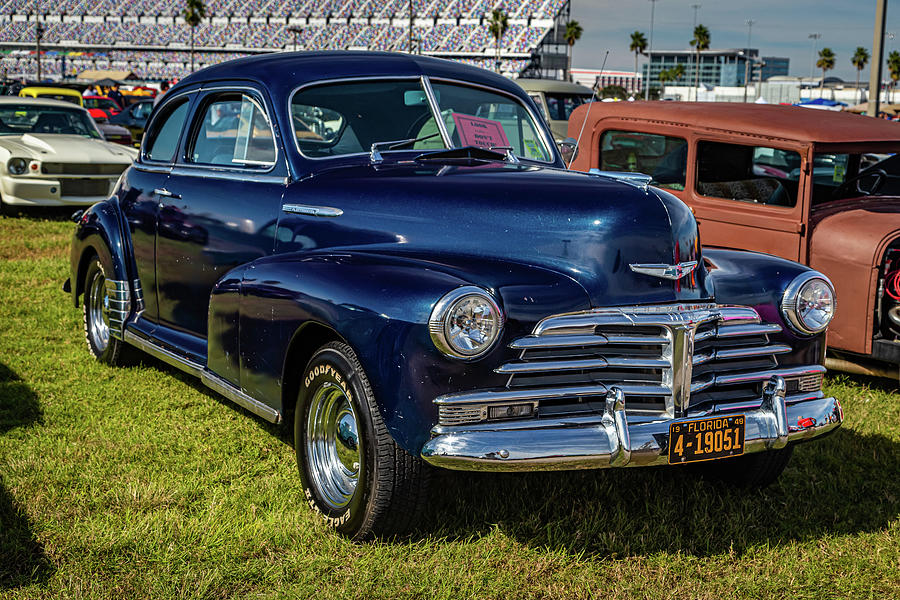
pixel 166 193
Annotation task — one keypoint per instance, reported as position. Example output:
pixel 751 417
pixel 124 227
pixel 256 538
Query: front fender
pixel 98 231
pixel 759 280
pixel 380 304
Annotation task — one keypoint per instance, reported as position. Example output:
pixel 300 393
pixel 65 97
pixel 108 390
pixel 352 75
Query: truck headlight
pixel 465 323
pixel 17 166
pixel 808 303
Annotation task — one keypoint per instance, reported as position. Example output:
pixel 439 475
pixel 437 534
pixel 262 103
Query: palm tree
pixel 860 59
pixel 677 72
pixel 638 46
pixel 665 76
pixel 826 63
pixel 893 63
pixel 497 25
pixel 193 13
pixel 572 35
pixel 700 42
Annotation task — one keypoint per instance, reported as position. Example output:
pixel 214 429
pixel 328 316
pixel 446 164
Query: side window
pixel 748 173
pixel 662 157
pixel 233 131
pixel 166 131
pixel 142 110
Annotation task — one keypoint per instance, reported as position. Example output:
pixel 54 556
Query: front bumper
pixel 609 440
pixel 39 191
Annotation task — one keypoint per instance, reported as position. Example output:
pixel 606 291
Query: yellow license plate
pixel 706 439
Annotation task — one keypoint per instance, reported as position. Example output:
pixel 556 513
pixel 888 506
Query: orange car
pixel 817 187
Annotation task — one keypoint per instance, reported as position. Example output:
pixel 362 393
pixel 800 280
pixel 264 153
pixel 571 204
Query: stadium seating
pixel 156 36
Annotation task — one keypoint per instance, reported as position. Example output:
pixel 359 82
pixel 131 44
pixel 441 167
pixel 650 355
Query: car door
pixel 140 200
pixel 222 202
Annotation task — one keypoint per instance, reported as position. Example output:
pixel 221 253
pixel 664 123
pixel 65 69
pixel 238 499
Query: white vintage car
pixel 51 154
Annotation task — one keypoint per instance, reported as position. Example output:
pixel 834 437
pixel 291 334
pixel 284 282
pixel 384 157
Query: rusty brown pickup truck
pixel 818 187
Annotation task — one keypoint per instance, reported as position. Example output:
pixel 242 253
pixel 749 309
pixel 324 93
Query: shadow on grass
pixel 22 558
pixel 40 213
pixel 843 484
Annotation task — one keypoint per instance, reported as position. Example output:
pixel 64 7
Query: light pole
pixel 877 59
pixel 650 51
pixel 750 23
pixel 411 23
pixel 694 62
pixel 815 37
pixel 39 33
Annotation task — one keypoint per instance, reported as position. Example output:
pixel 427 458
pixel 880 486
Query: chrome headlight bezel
pixel 789 301
pixel 17 160
pixel 438 322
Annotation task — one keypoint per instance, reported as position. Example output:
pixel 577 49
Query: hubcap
pixel 98 312
pixel 332 445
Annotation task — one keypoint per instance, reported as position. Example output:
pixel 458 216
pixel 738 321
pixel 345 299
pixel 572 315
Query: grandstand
pixel 150 39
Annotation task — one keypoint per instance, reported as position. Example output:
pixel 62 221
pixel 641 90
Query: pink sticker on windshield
pixel 475 131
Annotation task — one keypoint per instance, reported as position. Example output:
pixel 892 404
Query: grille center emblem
pixel 673 272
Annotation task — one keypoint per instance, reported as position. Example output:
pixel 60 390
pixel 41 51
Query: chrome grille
pixel 661 357
pixel 55 168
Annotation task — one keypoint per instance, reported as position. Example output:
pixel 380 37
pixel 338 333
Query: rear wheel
pixel 757 470
pixel 95 310
pixel 353 473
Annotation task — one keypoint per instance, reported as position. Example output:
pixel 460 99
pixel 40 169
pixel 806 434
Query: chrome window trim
pixel 142 158
pixel 435 110
pixel 186 170
pixel 259 101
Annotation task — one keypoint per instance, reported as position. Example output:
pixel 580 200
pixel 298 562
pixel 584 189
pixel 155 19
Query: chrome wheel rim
pixel 97 307
pixel 332 445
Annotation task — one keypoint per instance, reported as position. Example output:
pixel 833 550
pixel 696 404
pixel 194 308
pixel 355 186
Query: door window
pixel 233 131
pixel 163 140
pixel 748 173
pixel 662 157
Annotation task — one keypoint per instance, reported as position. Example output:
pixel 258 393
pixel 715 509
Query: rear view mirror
pixel 568 148
pixel 418 97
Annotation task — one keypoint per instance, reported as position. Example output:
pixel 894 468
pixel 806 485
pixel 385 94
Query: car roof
pixel 20 100
pixel 47 89
pixel 553 85
pixel 98 97
pixel 283 71
pixel 766 120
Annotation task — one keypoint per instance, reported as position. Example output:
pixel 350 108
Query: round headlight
pixel 465 323
pixel 17 166
pixel 808 303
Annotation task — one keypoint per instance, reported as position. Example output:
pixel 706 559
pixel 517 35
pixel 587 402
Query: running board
pixel 209 379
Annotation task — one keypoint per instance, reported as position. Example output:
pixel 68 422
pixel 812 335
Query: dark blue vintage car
pixel 387 252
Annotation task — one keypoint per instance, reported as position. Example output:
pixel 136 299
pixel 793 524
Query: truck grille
pixel 666 359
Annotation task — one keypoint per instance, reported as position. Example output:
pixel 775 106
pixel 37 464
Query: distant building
pixel 717 67
pixel 629 80
pixel 775 66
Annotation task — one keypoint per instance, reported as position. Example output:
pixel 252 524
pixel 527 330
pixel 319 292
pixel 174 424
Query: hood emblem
pixel 673 272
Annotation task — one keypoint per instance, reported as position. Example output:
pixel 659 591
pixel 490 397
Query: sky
pixel 781 28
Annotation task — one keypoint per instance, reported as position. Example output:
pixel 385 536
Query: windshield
pixel 63 97
pixel 834 174
pixel 348 117
pixel 19 119
pixel 102 103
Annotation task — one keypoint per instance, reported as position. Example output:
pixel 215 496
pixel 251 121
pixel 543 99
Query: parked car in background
pixel 556 100
pixel 52 154
pixel 386 251
pixel 134 118
pixel 782 180
pixel 101 106
pixel 114 133
pixel 138 93
pixel 52 93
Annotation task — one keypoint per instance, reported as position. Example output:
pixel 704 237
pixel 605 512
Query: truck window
pixel 662 157
pixel 748 173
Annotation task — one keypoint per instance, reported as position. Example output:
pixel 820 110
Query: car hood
pixel 588 227
pixel 65 148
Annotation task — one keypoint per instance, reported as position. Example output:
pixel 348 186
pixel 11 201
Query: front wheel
pixel 353 473
pixel 95 310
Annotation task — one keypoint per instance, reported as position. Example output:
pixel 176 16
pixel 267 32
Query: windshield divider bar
pixel 436 111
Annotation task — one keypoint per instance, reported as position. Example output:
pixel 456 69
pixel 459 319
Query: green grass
pixel 139 483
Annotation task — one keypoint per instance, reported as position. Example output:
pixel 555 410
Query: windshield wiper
pixel 375 155
pixel 465 154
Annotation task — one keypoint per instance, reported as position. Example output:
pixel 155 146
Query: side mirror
pixel 568 148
